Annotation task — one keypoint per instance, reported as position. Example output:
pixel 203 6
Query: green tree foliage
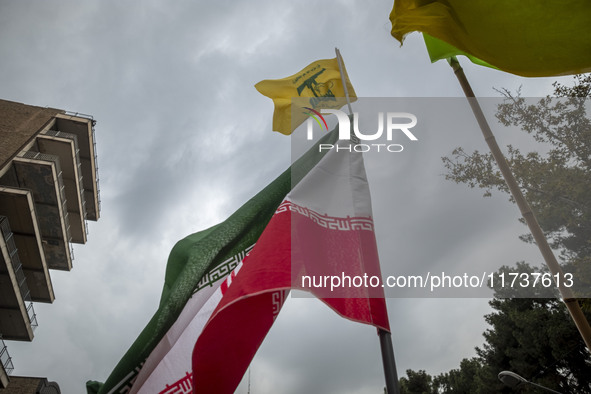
pixel 557 184
pixel 462 380
pixel 416 383
pixel 534 337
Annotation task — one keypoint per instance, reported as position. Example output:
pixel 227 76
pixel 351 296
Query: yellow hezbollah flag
pixel 320 81
pixel 532 38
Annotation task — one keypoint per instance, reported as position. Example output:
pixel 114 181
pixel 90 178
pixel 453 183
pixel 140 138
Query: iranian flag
pixel 284 238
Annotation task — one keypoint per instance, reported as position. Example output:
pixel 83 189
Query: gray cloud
pixel 184 139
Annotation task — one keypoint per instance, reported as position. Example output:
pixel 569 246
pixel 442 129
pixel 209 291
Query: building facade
pixel 49 189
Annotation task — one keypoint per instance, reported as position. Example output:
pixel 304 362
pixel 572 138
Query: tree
pixel 416 383
pixel 557 184
pixel 462 380
pixel 535 337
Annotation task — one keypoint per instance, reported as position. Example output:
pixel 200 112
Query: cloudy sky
pixel 184 139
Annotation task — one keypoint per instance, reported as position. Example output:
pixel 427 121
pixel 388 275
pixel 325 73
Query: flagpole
pixel 388 362
pixel 385 337
pixel 566 293
pixel 343 79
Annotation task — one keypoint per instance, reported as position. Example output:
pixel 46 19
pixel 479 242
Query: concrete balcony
pixel 25 238
pixel 65 148
pixel 82 126
pixel 17 316
pixel 41 175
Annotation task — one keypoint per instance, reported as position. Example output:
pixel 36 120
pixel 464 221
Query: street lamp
pixel 511 379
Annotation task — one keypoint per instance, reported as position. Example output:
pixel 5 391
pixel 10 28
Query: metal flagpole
pixel 388 362
pixel 385 337
pixel 566 293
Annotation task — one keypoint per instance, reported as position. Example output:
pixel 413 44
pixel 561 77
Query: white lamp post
pixel 511 379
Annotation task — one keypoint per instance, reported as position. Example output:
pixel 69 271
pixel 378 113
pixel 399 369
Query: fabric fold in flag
pixel 324 227
pixel 320 81
pixel 233 276
pixel 441 50
pixel 530 38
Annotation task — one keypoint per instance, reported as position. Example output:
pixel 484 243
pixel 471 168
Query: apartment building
pixel 49 189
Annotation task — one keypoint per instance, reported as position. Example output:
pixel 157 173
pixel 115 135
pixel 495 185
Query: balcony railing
pixel 32 316
pixel 74 138
pixel 5 358
pixel 13 254
pixel 18 270
pixel 96 165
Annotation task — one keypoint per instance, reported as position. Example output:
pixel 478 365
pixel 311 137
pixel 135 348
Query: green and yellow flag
pixel 320 81
pixel 532 38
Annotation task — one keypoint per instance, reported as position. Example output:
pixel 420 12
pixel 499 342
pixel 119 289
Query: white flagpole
pixel 343 79
pixel 385 337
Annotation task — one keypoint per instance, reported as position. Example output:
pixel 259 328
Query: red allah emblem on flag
pixel 182 386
